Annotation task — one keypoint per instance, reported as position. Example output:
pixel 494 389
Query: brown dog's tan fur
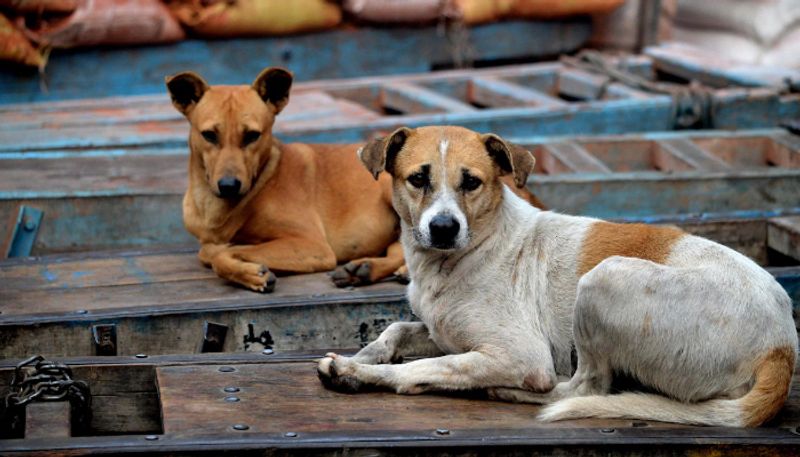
pixel 301 208
pixel 641 241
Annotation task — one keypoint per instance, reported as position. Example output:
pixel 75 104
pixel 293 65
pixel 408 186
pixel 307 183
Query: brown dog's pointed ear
pixel 273 85
pixel 510 158
pixel 378 155
pixel 186 89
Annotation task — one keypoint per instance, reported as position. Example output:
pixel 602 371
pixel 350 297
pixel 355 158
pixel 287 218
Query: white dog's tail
pixel 773 378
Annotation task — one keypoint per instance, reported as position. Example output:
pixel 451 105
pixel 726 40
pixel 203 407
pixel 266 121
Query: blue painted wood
pixel 342 53
pixel 132 199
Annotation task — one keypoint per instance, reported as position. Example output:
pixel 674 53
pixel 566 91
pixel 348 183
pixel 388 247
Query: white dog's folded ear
pixel 273 85
pixel 186 89
pixel 510 158
pixel 378 155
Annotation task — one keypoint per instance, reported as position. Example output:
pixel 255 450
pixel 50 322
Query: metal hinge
pixel 26 228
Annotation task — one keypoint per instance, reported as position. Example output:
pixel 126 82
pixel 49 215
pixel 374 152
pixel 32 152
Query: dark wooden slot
pixel 749 153
pixel 624 156
pixel 124 401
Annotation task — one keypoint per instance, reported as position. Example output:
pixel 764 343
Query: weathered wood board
pixel 132 198
pixel 161 302
pixel 282 408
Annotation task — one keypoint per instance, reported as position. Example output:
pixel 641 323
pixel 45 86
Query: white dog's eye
pixel 419 180
pixel 470 183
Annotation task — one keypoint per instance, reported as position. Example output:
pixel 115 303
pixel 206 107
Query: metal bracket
pixel 105 339
pixel 213 337
pixel 264 339
pixel 25 230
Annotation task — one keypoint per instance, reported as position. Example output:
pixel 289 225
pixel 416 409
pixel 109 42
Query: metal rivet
pixel 241 427
pixel 141 356
pixel 30 226
pixel 227 369
pixel 231 399
pixel 607 430
pixel 290 434
pixel 81 311
pixel 442 431
pixel 151 437
pixel 640 424
pixel 267 351
pixel 231 390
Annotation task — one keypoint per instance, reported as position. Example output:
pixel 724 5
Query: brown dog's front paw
pixel 337 373
pixel 352 274
pixel 401 275
pixel 259 278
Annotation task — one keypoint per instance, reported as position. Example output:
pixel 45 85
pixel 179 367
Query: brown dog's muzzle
pixel 229 187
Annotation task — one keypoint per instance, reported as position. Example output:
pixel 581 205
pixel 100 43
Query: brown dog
pixel 257 205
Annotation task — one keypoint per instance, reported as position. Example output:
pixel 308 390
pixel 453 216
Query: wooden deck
pixel 279 405
pixel 166 302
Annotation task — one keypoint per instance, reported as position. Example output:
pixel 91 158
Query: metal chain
pixel 37 379
pixel 692 105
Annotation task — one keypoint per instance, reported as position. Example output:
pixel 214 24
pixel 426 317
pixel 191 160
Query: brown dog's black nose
pixel 444 229
pixel 229 187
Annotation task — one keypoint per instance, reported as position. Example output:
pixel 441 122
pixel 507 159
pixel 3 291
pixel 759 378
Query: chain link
pixel 37 379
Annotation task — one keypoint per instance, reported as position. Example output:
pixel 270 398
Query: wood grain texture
pixel 280 398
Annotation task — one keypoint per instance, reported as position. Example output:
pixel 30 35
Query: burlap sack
pixel 255 17
pixel 396 11
pixel 15 47
pixel 763 21
pixel 110 22
pixel 40 6
pixel 479 11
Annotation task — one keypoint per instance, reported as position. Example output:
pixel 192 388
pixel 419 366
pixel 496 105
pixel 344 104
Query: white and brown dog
pixel 505 290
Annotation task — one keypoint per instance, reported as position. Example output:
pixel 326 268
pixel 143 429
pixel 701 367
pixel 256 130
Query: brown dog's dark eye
pixel 419 180
pixel 210 136
pixel 470 183
pixel 250 137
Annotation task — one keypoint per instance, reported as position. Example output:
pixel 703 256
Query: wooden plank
pixel 285 408
pixel 495 92
pixel 360 51
pixel 412 99
pixel 783 235
pixel 689 153
pixel 48 420
pixel 575 158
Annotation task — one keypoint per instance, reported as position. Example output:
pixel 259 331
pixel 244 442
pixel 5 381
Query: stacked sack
pixel 230 18
pixel 762 32
pixel 28 28
pixel 472 11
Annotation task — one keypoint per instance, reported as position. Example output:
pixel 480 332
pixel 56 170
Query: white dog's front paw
pixel 339 373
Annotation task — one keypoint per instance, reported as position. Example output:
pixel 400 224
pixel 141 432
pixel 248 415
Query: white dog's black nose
pixel 444 229
pixel 229 187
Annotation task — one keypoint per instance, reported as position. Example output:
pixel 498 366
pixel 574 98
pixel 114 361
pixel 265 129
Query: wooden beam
pixel 783 235
pixel 689 153
pixel 574 158
pixel 496 92
pixel 50 419
pixel 413 99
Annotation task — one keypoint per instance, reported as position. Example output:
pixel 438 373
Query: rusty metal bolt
pixel 241 427
pixel 226 369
